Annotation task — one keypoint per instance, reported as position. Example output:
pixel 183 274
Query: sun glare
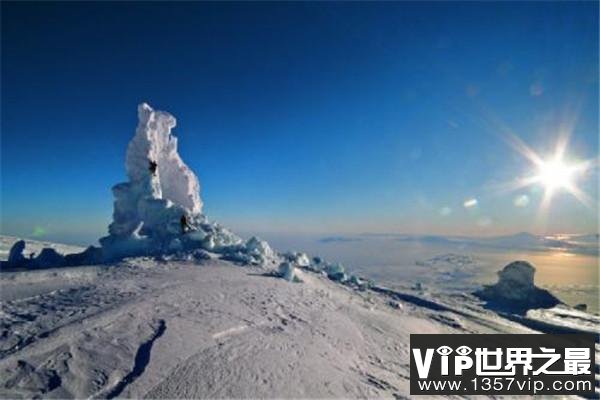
pixel 556 174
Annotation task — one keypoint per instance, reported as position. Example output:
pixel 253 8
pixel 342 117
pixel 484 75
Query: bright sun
pixel 553 173
pixel 556 174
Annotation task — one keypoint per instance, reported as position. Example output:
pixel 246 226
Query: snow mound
pixel 515 290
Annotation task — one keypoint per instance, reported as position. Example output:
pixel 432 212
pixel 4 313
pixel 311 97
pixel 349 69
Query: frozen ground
pixel 144 328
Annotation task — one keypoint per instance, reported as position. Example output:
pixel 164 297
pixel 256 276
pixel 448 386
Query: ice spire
pixel 153 141
pixel 158 211
pixel 152 202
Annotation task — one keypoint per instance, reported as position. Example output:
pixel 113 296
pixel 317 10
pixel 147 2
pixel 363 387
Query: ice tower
pixel 149 207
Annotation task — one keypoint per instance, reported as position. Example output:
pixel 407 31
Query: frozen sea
pixel 446 265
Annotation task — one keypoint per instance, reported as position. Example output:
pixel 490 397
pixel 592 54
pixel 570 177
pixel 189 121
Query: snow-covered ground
pixel 137 326
pixel 144 328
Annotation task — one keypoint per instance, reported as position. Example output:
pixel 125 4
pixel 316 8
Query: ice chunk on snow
pixel 254 251
pixel 298 259
pixel 215 237
pixel 287 271
pixel 302 260
pixel 336 272
pixel 259 249
pixel 355 280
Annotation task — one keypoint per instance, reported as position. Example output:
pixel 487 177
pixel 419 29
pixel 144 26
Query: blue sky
pixel 301 117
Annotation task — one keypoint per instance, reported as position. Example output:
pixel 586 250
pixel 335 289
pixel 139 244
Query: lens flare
pixel 554 173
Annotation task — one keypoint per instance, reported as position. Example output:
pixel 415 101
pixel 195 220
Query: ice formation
pixel 15 256
pixel 287 271
pixel 158 211
pixel 515 290
pixel 253 251
pixel 161 190
pixel 298 259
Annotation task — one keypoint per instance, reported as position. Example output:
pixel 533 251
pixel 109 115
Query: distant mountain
pixel 434 239
pixel 578 243
pixel 334 239
pixel 521 239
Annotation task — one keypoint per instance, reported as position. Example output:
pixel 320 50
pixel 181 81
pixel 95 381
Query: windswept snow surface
pixel 145 328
